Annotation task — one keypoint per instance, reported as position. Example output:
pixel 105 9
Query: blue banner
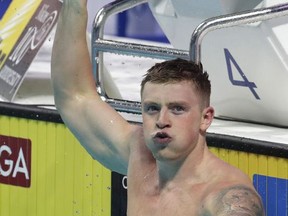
pixel 274 192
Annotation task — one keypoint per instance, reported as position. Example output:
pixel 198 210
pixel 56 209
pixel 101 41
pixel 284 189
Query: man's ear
pixel 207 118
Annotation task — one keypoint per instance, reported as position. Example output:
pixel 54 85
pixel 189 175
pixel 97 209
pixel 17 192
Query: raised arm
pixel 99 128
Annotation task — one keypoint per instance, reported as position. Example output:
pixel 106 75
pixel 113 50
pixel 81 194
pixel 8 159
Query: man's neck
pixel 185 170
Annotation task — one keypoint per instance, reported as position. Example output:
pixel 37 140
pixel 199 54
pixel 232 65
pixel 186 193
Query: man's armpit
pixel 239 201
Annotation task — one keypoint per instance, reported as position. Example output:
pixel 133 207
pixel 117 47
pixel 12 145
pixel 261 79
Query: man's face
pixel 172 119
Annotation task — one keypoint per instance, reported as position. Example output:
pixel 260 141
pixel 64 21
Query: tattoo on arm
pixel 239 201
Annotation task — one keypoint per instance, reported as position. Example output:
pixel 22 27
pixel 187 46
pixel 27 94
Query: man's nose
pixel 163 119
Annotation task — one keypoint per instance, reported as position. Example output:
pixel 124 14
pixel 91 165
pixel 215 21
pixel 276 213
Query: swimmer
pixel 169 166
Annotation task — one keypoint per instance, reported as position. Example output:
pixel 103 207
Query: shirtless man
pixel 170 169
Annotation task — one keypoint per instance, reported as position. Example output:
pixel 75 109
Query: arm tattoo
pixel 239 201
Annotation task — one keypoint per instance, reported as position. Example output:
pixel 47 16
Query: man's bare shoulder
pixel 236 200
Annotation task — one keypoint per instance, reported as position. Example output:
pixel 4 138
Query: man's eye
pixel 178 109
pixel 151 109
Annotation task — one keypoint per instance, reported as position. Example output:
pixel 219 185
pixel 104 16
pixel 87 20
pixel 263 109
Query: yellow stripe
pixel 50 167
pixel 263 165
pixel 282 168
pixel 243 162
pixel 63 174
pixel 253 164
pixel 272 166
pixel 5 192
pixel 32 192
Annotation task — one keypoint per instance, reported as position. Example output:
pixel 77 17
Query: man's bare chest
pixel 176 201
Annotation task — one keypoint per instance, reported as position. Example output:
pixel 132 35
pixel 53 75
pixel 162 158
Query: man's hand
pixel 81 3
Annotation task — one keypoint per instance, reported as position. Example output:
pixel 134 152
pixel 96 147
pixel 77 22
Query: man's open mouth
pixel 161 138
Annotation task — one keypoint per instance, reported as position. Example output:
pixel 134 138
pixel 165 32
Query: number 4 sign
pixel 245 82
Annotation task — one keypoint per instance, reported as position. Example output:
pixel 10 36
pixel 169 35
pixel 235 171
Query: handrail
pixel 142 50
pixel 231 20
pixel 98 32
pixel 99 45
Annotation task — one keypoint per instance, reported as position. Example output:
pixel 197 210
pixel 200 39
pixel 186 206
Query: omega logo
pixel 15 161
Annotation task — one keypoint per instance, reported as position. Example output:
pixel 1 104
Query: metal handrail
pixel 100 45
pixel 98 32
pixel 231 20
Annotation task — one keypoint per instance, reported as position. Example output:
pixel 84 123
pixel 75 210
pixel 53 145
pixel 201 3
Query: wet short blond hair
pixel 177 70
